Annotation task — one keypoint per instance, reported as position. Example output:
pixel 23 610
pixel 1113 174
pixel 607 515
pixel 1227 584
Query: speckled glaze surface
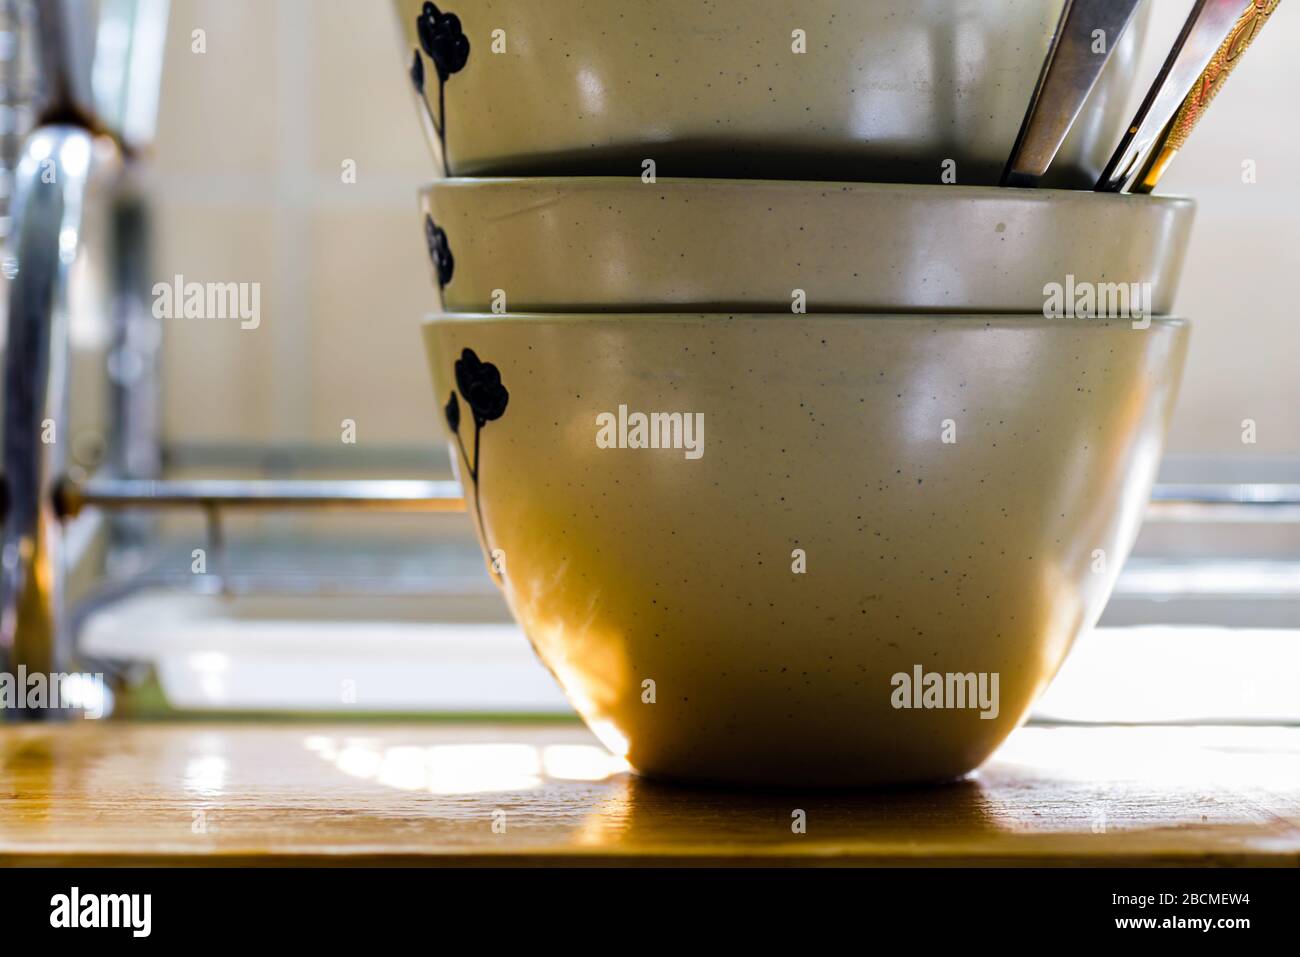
pixel 985 554
pixel 619 244
pixel 885 92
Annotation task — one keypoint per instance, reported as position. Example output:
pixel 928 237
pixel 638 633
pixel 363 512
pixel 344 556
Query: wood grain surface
pixel 467 794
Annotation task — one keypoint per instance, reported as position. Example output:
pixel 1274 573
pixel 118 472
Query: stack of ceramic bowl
pixel 788 479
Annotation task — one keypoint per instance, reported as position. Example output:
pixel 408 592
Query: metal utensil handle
pixel 1070 71
pixel 1204 90
pixel 1201 34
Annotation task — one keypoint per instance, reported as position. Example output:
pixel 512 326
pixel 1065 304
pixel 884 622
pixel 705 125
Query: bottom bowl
pixel 804 550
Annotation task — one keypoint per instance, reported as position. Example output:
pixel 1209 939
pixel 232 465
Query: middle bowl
pixel 622 244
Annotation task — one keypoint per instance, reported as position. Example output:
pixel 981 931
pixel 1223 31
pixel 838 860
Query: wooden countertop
pixel 467 793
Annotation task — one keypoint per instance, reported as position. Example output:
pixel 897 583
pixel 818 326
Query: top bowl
pixel 885 92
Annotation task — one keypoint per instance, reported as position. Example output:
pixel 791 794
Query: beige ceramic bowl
pixel 959 493
pixel 885 92
pixel 619 244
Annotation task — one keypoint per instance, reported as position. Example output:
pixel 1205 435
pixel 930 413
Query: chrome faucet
pixel 73 158
pixel 80 154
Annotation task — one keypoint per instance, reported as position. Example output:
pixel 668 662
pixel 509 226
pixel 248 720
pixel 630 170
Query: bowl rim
pixel 988 319
pixel 952 192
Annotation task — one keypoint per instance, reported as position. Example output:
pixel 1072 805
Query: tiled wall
pixel 253 136
pixel 254 132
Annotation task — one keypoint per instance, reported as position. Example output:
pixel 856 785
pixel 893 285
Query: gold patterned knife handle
pixel 1204 90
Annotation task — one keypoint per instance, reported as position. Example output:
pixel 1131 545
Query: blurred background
pixel 251 141
pixel 253 138
pixel 288 154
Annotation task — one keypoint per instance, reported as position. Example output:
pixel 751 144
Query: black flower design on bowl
pixel 452 411
pixel 439 251
pixel 479 384
pixel 442 39
pixel 417 73
pixel 446 45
